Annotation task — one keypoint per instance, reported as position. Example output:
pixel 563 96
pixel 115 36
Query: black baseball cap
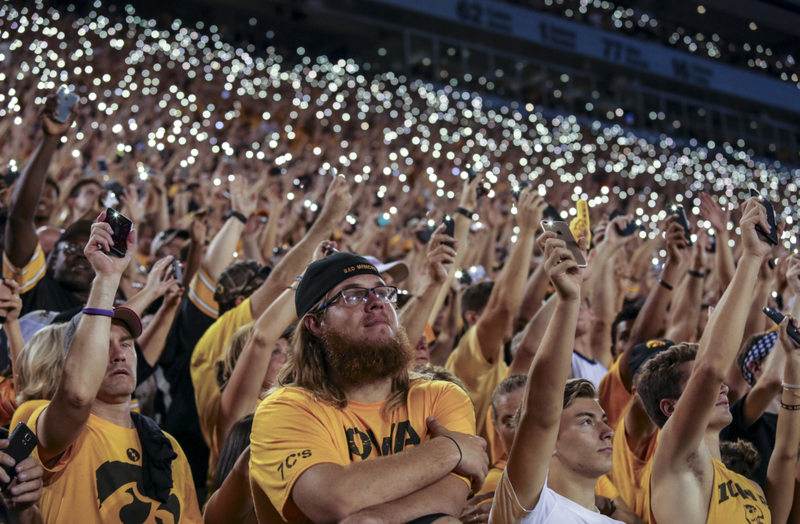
pixel 645 351
pixel 327 273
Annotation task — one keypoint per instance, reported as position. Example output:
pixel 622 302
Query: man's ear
pixel 313 324
pixel 667 406
pixel 239 299
pixel 754 366
pixel 471 317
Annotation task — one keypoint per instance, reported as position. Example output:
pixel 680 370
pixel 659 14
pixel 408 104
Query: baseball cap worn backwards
pixel 327 273
pixel 127 316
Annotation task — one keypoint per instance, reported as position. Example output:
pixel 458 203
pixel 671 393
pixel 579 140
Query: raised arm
pixel 439 258
pixel 723 259
pixel 543 402
pixel 783 462
pixel 655 307
pixel 682 435
pixel 245 383
pixel 154 338
pixel 337 205
pixel 220 252
pixel 468 201
pixel 21 239
pixel 509 287
pixel 198 229
pixel 532 300
pixel 686 307
pixel 87 357
pixel 604 291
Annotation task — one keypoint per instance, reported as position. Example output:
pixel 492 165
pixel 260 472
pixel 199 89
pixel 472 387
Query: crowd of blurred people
pixel 637 22
pixel 337 303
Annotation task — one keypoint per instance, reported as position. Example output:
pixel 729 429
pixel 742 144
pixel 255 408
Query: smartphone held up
pixel 120 227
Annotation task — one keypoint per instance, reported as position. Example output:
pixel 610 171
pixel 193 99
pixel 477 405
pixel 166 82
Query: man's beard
pixel 358 363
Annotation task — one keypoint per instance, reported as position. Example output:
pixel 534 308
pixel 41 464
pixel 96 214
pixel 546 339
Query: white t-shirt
pixel 552 508
pixel 591 370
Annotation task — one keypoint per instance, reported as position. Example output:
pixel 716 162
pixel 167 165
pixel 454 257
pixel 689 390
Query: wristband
pixel 790 407
pixel 98 312
pixel 697 274
pixel 462 211
pixel 460 455
pixel 789 386
pixel 238 216
pixel 665 284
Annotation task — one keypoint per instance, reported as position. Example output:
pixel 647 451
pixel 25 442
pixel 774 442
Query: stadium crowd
pixel 336 301
pixel 754 56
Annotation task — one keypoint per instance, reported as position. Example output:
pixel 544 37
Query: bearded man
pixel 349 433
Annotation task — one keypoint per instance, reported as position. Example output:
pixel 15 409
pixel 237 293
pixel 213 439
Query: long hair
pixel 308 369
pixel 39 364
pixel 235 443
pixel 224 366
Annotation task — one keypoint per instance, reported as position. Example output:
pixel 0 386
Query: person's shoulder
pixel 435 388
pixel 288 396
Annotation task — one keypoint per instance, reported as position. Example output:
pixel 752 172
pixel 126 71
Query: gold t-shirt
pixel 99 479
pixel 479 377
pixel 293 432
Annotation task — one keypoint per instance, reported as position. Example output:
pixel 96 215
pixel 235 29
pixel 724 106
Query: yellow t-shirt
pixel 492 479
pixel 8 401
pixel 210 348
pixel 614 398
pixel 293 432
pixel 25 410
pixel 605 488
pixel 735 499
pixel 628 471
pixel 479 376
pixel 97 480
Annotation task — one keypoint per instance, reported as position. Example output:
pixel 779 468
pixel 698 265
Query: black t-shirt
pixel 760 433
pixel 177 406
pixel 49 295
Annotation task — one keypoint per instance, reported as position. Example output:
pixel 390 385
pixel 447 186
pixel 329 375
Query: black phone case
pixel 517 192
pixel 177 272
pixel 772 236
pixel 450 229
pixel 21 444
pixel 680 212
pixel 120 224
pixel 777 317
pixel 551 213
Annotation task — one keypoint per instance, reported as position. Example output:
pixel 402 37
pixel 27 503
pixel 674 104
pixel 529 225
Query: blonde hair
pixel 224 366
pixel 306 370
pixel 39 364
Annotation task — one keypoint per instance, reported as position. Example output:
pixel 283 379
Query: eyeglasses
pixel 354 296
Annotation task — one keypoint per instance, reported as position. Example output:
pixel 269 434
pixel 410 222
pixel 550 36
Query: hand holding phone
pixel 519 189
pixel 21 444
pixel 449 230
pixel 680 218
pixel 562 230
pixel 777 317
pixel 772 236
pixel 120 227
pixel 177 272
pixel 66 101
